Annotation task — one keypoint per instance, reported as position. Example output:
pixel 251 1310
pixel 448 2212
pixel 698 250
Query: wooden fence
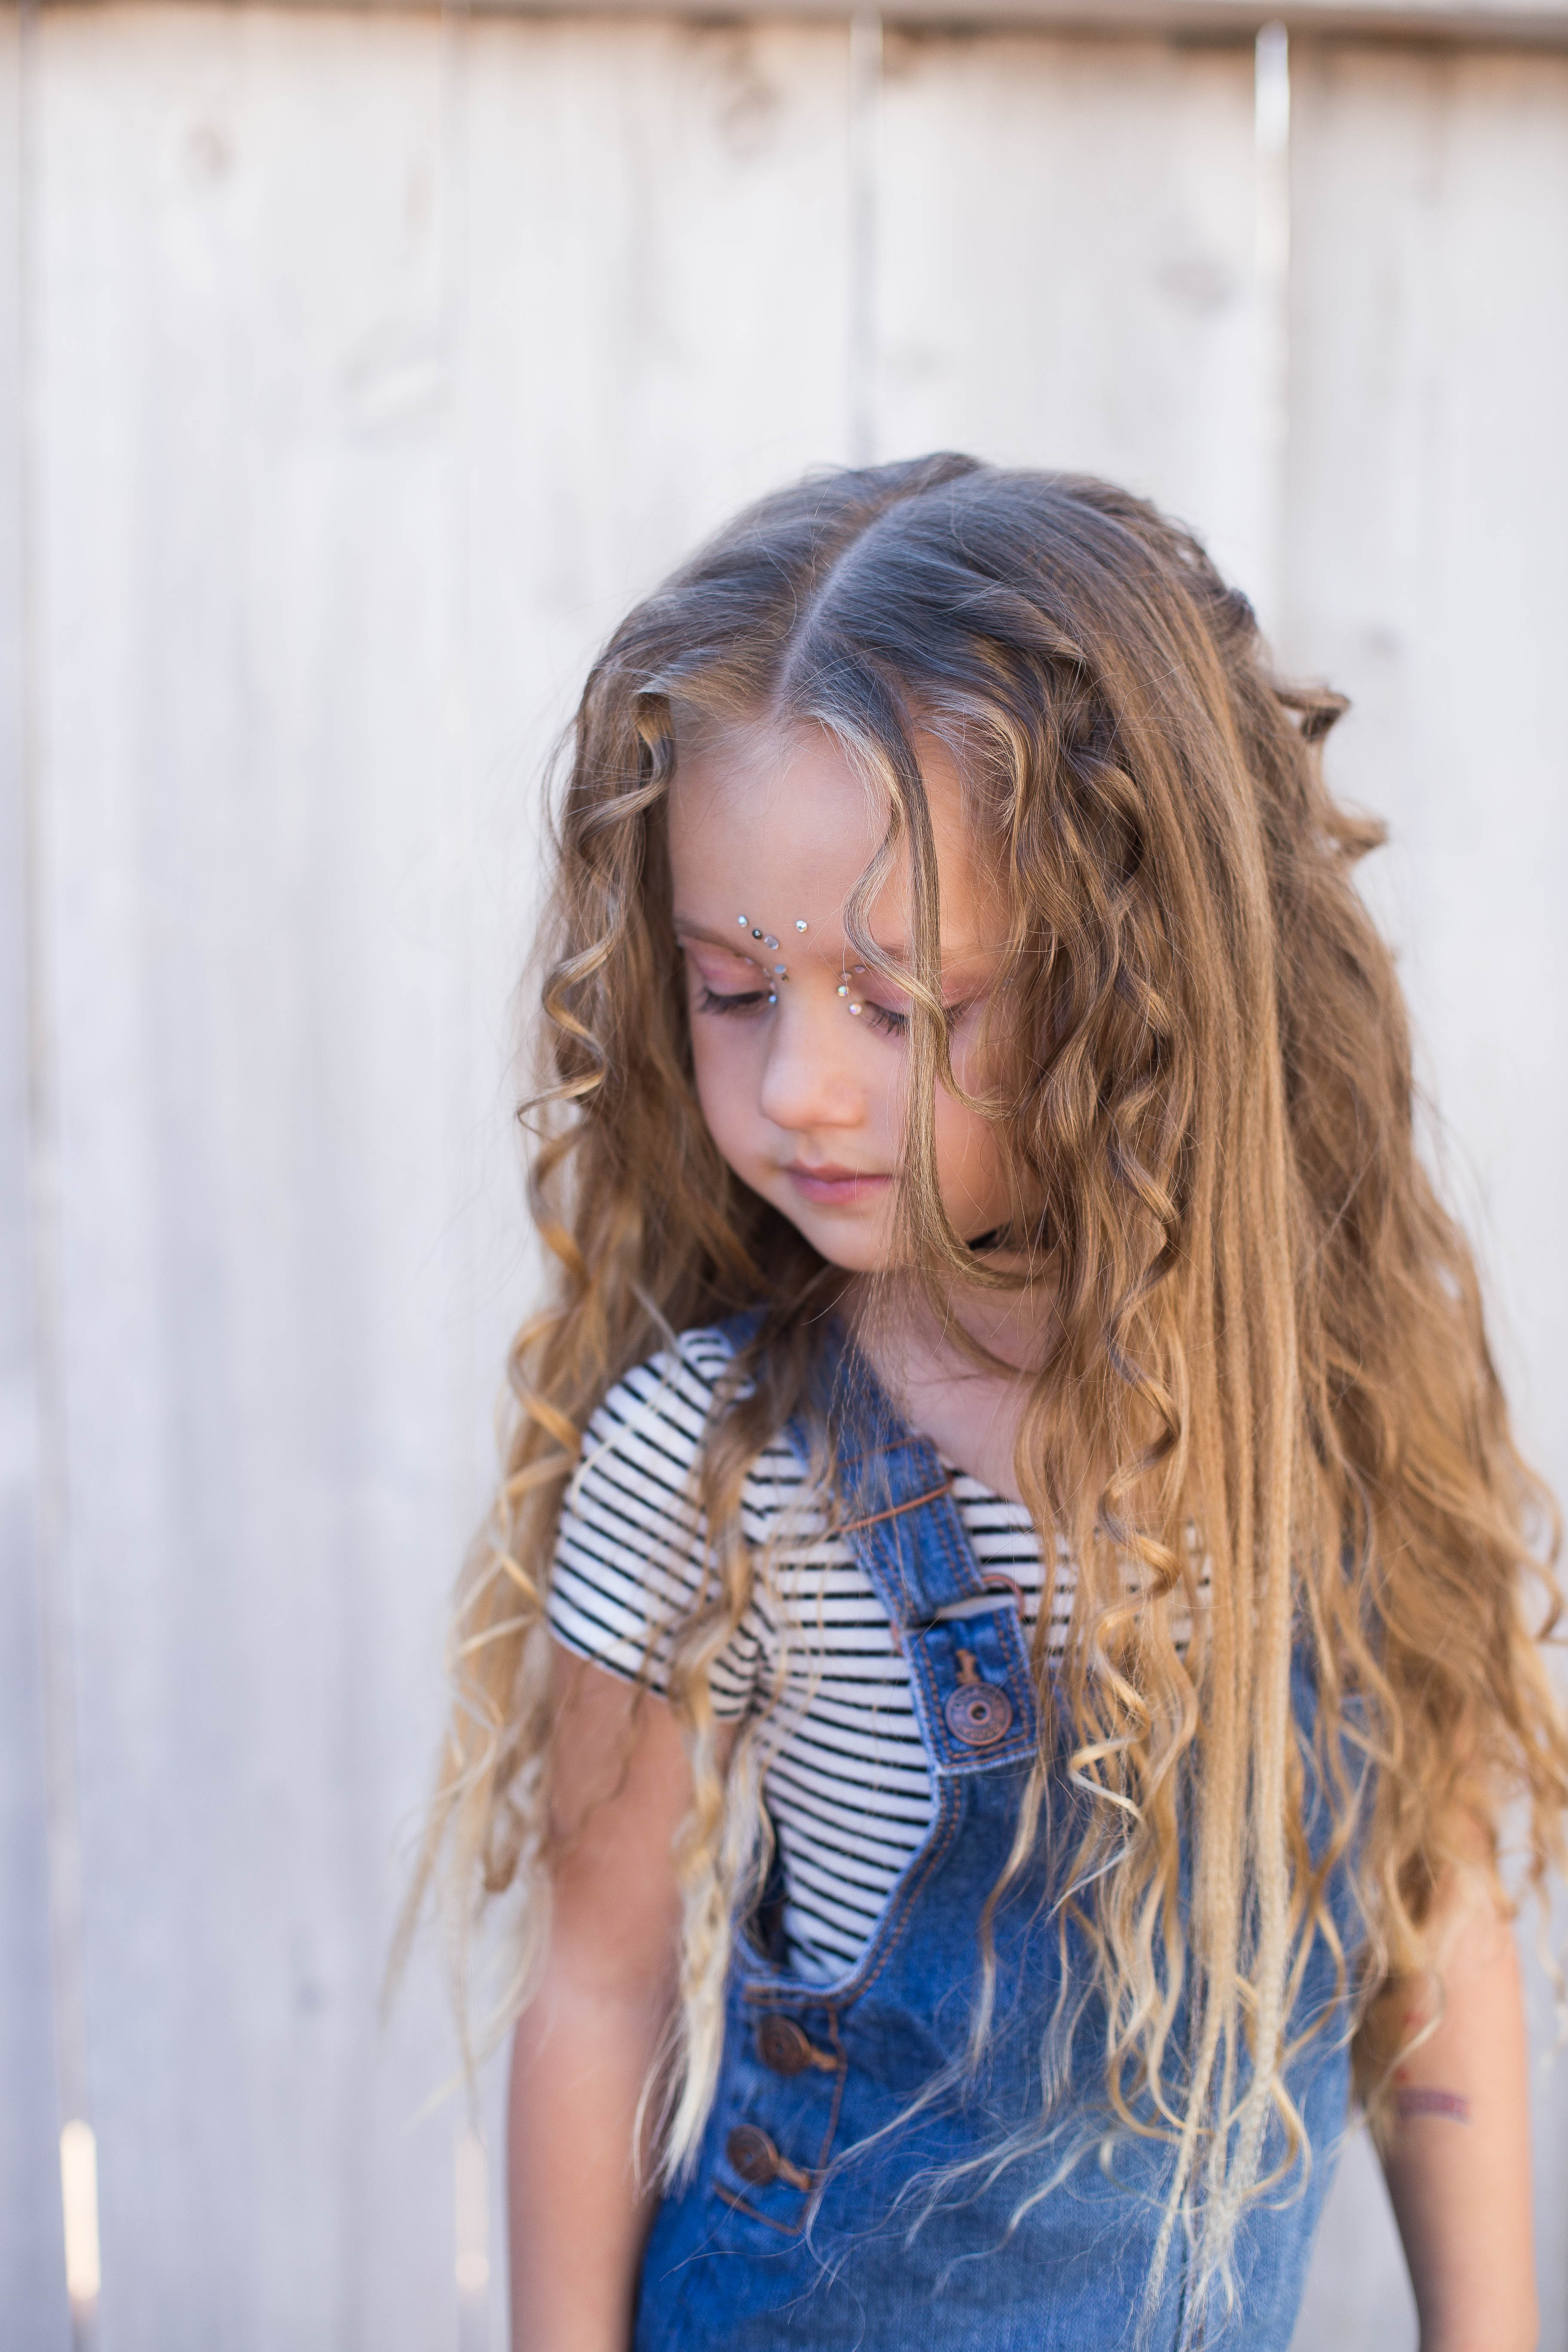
pixel 358 367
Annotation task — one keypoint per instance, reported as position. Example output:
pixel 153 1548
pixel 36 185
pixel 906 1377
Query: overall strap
pixel 741 1327
pixel 892 1504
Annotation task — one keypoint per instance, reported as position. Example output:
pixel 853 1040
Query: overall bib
pixel 791 2231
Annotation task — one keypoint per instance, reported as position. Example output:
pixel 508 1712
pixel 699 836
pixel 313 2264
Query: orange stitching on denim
pixel 894 1511
pixel 739 2205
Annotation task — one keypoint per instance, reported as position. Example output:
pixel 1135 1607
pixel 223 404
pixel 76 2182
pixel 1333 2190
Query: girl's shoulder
pixel 666 1401
pixel 685 1378
pixel 660 1415
pixel 629 1561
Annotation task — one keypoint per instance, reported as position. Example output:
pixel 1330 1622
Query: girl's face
pixel 804 1098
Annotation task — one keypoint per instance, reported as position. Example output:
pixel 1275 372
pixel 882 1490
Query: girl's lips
pixel 833 1187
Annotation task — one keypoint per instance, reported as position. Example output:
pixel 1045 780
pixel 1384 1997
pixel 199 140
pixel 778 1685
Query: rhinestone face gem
pixel 779 972
pixel 798 924
pixel 744 921
pixel 857 1008
pixel 771 942
pixel 755 933
pixel 844 988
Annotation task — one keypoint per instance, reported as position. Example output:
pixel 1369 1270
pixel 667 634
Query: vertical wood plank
pixel 658 308
pixel 247 565
pixel 32 2267
pixel 1067 258
pixel 380 365
pixel 1428 507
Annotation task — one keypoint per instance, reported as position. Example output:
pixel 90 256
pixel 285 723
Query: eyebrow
pixel 715 939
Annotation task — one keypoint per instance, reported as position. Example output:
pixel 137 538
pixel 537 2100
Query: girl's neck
pixel 970 1410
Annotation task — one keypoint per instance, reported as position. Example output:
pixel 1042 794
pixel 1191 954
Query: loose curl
pixel 1267 1354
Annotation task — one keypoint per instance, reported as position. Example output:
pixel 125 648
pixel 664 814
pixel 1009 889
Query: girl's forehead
pixel 788 821
pixel 756 783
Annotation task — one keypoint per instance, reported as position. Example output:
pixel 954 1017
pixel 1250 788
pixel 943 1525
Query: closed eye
pixel 711 1002
pixel 897 1024
pixel 881 1017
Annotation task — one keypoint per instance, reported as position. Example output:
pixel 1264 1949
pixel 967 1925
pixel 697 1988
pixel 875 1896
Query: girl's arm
pixel 584 2046
pixel 1457 2150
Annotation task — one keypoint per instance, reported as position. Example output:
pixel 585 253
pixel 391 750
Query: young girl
pixel 1013 1611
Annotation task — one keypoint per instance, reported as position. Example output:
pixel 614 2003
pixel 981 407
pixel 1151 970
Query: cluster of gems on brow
pixel 779 972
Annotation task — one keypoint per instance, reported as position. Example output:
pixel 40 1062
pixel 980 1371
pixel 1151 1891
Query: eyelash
pixel 891 1024
pixel 711 1002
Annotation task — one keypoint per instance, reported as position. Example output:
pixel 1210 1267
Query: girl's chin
pixel 852 1238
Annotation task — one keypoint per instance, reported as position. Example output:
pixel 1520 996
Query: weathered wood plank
pixel 1507 23
pixel 379 367
pixel 658 303
pixel 32 2267
pixel 1526 23
pixel 1429 506
pixel 1065 267
pixel 235 536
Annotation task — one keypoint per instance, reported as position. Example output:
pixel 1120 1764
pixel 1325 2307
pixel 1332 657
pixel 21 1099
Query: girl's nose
pixel 808 1078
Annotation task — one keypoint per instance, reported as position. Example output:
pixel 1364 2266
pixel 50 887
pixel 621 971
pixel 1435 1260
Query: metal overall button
pixel 783 2045
pixel 756 2160
pixel 977 1712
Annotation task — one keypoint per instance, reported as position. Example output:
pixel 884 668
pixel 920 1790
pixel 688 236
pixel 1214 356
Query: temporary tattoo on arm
pixel 1451 2105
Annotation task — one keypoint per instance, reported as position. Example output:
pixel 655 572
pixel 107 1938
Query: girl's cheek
pixel 969 1163
pixel 723 1060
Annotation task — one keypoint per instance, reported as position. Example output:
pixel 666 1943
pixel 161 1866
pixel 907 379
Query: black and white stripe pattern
pixel 848 1785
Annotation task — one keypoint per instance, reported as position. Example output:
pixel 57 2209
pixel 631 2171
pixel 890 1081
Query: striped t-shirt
pixel 848 1786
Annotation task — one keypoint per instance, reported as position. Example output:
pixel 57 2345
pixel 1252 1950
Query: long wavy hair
pixel 1266 1350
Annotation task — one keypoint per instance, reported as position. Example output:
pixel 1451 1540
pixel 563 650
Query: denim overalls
pixel 789 2232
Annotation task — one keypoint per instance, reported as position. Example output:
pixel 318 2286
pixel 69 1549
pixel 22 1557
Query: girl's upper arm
pixel 621 1787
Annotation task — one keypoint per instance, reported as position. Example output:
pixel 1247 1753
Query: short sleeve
pixel 628 1550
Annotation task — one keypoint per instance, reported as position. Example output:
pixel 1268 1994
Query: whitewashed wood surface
pixel 32 2276
pixel 1066 265
pixel 374 365
pixel 1427 510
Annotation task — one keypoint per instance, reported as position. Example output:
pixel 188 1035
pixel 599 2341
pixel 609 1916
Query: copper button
pixel 782 2045
pixel 977 1712
pixel 756 2160
pixel 752 2154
